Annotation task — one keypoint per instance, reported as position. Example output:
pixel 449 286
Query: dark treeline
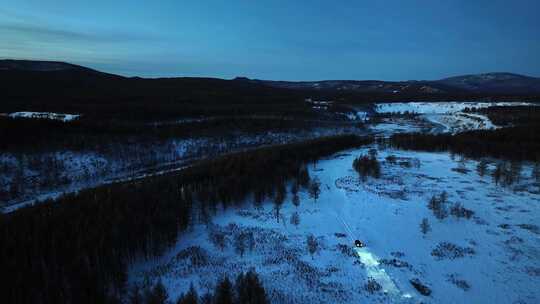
pixel 77 248
pixel 86 134
pixel 144 110
pixel 513 143
pixel 516 143
pixel 367 165
pixel 511 116
pixel 82 90
pixel 247 289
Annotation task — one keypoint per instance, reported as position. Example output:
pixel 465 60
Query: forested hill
pixel 77 249
pixel 62 87
pixel 65 88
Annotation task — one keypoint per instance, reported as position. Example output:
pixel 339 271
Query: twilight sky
pixel 282 40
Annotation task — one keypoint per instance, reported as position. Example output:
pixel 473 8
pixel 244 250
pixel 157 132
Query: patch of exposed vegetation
pixel 451 251
pixel 422 289
pixel 460 283
pixel 367 165
pixel 372 286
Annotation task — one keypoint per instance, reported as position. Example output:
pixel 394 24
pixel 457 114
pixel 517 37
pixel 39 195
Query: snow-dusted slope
pixel 489 258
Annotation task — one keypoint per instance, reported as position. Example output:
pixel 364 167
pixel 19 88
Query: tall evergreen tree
pixel 249 289
pixel 190 297
pixel 224 292
pixel 158 294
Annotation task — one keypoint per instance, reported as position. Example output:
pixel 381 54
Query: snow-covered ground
pixel 393 125
pixel 439 107
pixel 448 117
pixel 50 175
pixel 493 257
pixel 45 115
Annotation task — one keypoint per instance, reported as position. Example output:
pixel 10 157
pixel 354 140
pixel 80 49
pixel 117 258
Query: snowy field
pixel 448 117
pixel 439 107
pixel 393 125
pixel 491 257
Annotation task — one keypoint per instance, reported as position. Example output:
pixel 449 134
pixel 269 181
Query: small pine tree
pixel 207 298
pixel 135 296
pixel 312 244
pixel 296 200
pixel 294 188
pixel 424 226
pixel 224 292
pixel 240 240
pixel 444 197
pixel 190 297
pixel 481 168
pixel 218 239
pixel 497 173
pixel 303 177
pixel 278 200
pixel 315 189
pixel 158 294
pixel 249 289
pixel 437 204
pixel 295 219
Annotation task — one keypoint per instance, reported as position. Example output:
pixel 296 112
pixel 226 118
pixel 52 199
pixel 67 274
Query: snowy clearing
pixel 439 107
pixel 448 117
pixel 491 257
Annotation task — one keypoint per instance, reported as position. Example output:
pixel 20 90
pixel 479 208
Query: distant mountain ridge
pixel 11 65
pixel 41 66
pixel 486 83
pixel 479 84
pixel 494 82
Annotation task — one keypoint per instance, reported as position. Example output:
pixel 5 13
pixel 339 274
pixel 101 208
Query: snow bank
pixel 45 115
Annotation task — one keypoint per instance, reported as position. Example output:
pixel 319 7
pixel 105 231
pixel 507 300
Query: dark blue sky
pixel 286 40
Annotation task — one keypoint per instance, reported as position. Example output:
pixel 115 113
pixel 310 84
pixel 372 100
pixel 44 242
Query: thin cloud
pixel 47 32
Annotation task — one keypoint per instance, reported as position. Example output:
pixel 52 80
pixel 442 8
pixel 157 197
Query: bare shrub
pixel 450 251
pixel 395 263
pixel 218 239
pixel 296 200
pixel 437 204
pixel 195 255
pixel 391 159
pixel 372 286
pixel 315 189
pixel 240 243
pixel 462 284
pixel 312 244
pixel 422 289
pixel 458 211
pixel 531 227
pixel 295 219
pixel 424 226
pixel 346 250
